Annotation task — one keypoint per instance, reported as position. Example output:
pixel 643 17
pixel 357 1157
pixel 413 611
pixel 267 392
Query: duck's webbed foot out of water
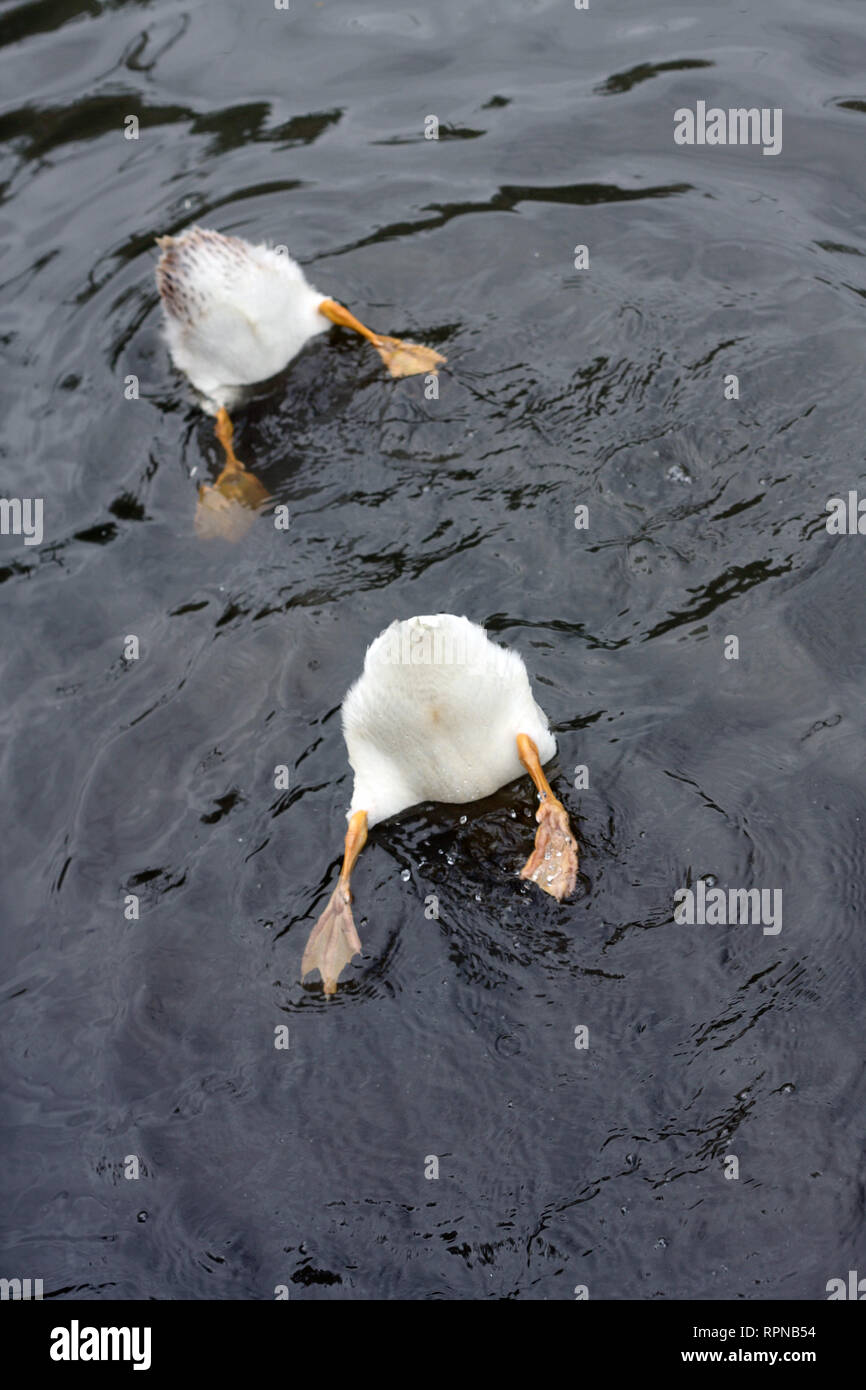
pixel 553 862
pixel 401 358
pixel 333 942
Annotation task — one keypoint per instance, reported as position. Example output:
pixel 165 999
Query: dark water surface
pixel 558 1167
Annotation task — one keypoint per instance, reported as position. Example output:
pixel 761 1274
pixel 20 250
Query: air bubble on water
pixel 478 897
pixel 788 1088
pixel 709 879
pixel 677 474
pixel 462 820
pixel 142 1216
pixel 405 875
pixel 449 859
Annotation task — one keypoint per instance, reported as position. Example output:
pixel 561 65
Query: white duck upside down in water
pixel 440 713
pixel 236 314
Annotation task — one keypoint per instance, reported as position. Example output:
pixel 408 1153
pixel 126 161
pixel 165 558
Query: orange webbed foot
pixel 401 358
pixel 553 862
pixel 407 359
pixel 228 507
pixel 333 942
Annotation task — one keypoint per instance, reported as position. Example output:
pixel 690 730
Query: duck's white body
pixel 235 313
pixel 435 716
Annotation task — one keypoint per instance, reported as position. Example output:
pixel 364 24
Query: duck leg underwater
pixel 334 941
pixel 401 358
pixel 228 507
pixel 553 862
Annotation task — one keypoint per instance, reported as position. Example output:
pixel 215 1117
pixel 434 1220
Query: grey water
pixel 616 1102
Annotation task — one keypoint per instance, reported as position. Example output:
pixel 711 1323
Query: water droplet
pixel 449 859
pixel 142 1216
pixel 661 1243
pixel 788 1088
pixel 463 820
pixel 631 1160
pixel 405 875
pixel 710 880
